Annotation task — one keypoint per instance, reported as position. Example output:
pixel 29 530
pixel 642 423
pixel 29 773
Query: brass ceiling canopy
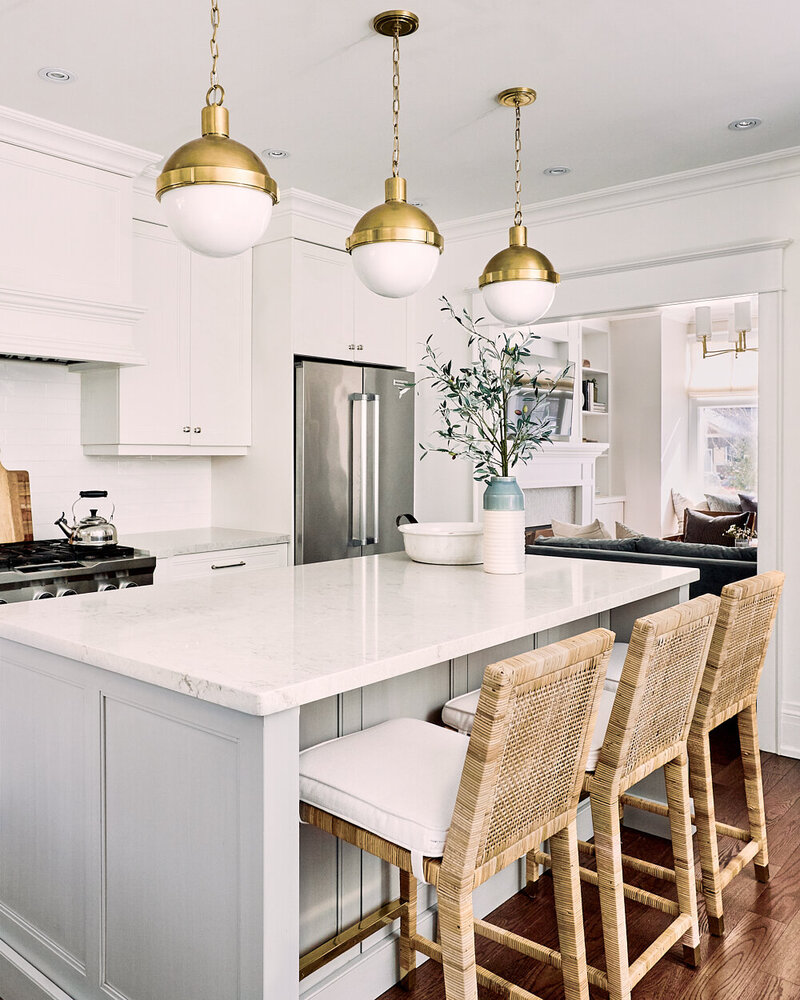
pixel 516 97
pixel 396 22
pixel 395 246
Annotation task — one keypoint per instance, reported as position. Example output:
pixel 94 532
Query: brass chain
pixel 396 104
pixel 517 181
pixel 216 92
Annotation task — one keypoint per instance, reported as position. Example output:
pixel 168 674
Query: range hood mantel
pixel 36 326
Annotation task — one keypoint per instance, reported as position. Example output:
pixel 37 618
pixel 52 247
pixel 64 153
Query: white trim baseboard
pixel 790 730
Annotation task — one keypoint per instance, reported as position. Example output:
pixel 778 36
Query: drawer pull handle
pixel 229 565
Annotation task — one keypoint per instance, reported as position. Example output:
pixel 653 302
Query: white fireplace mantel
pixel 562 463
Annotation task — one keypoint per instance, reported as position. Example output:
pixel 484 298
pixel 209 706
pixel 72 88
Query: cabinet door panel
pixel 380 329
pixel 322 302
pixel 221 326
pixel 154 398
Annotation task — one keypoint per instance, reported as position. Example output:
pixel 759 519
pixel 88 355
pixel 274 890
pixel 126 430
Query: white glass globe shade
pixel 395 269
pixel 520 302
pixel 218 220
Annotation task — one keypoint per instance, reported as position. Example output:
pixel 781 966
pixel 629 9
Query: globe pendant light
pixel 216 193
pixel 395 246
pixel 518 283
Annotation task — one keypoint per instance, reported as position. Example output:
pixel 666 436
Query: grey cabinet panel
pixel 169 885
pixel 478 662
pixel 43 809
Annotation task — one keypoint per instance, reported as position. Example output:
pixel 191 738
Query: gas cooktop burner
pixel 53 568
pixel 16 555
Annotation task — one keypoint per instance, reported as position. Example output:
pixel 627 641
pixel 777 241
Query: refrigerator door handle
pixel 374 401
pixel 360 469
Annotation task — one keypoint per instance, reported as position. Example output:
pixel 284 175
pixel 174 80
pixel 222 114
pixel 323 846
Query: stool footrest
pixel 736 864
pixel 350 937
pixel 485 978
pixel 631 891
pixel 645 962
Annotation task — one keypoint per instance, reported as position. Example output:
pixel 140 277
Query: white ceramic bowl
pixel 444 543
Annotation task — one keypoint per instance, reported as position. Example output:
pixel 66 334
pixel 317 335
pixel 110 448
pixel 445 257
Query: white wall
pixel 674 418
pixel 678 218
pixel 40 432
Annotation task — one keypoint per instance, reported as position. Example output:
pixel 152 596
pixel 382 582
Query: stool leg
pixel 569 912
pixel 753 787
pixel 605 818
pixel 408 928
pixel 532 875
pixel 676 776
pixel 457 936
pixel 706 822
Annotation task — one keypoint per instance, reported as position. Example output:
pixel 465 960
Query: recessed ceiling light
pixel 417 204
pixel 557 171
pixel 275 154
pixel 54 74
pixel 743 124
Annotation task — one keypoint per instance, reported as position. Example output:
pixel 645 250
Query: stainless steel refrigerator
pixel 354 459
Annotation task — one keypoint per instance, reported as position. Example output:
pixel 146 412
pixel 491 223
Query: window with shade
pixel 724 420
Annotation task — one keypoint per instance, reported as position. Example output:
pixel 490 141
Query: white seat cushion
pixel 398 780
pixel 460 714
pixel 616 661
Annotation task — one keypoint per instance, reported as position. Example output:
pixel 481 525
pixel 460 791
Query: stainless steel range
pixel 30 571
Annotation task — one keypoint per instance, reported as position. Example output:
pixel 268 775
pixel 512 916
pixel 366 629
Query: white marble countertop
pixel 273 639
pixel 186 541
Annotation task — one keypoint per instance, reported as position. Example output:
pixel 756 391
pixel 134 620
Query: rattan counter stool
pixel 643 724
pixel 453 810
pixel 729 689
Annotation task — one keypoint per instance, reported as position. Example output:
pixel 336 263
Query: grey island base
pixel 149 739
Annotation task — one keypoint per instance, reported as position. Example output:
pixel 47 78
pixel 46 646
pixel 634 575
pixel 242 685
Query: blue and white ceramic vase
pixel 503 526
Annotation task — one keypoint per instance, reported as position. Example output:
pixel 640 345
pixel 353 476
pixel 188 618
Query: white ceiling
pixel 628 89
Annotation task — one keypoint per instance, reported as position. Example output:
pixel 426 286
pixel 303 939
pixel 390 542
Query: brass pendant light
pixel 395 246
pixel 216 193
pixel 518 283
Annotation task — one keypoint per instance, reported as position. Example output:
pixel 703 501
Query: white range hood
pixel 66 199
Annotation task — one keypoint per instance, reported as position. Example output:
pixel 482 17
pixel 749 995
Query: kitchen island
pixel 149 742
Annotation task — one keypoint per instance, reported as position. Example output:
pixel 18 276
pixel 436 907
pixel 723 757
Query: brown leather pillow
pixel 699 527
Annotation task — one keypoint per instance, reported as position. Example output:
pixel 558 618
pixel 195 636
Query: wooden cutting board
pixel 16 522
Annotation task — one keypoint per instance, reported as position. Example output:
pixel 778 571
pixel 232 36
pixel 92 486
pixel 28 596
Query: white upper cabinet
pixel 192 397
pixel 334 316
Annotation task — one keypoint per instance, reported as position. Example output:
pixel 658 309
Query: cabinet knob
pixel 359 347
pixel 197 430
pixel 351 347
pixel 186 429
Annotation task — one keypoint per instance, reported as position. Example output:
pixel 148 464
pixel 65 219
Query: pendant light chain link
pixel 216 92
pixel 396 104
pixel 517 168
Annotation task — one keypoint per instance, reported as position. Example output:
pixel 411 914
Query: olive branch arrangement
pixel 474 408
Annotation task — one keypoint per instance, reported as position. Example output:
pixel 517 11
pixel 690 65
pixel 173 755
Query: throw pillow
pixel 699 527
pixel 749 501
pixel 680 503
pixel 563 529
pixel 727 502
pixel 623 531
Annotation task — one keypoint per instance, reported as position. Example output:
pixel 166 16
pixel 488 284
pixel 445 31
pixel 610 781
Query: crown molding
pixel 635 194
pixel 304 216
pixel 25 130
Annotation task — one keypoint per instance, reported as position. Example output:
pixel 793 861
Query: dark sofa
pixel 718 564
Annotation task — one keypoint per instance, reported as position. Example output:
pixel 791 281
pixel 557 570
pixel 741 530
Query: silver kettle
pixel 94 530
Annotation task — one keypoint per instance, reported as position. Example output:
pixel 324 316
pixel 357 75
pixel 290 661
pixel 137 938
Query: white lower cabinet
pixel 193 395
pixel 222 562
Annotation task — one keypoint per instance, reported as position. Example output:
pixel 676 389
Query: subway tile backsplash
pixel 40 432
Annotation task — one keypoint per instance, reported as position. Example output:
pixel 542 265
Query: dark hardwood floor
pixel 759 957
